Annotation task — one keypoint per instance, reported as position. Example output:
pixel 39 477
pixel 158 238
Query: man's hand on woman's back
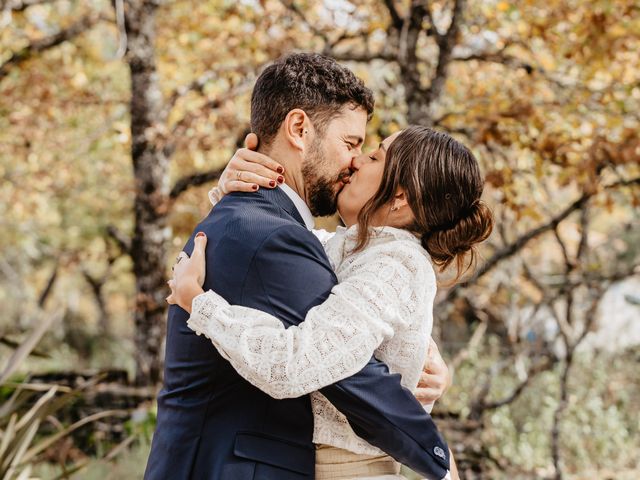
pixel 435 377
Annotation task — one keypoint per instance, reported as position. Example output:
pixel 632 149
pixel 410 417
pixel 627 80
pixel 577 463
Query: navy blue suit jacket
pixel 213 424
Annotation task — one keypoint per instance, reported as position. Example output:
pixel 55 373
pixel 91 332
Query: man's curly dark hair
pixel 312 82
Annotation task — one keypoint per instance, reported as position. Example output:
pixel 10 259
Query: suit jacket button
pixel 439 452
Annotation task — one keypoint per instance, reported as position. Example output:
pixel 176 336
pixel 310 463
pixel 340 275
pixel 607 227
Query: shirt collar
pixel 300 205
pixel 384 232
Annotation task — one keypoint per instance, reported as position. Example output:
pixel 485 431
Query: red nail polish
pixel 280 179
pixel 280 170
pixel 199 234
pixel 272 184
pixel 255 187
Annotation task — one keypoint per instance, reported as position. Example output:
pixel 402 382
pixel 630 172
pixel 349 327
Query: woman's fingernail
pixel 272 184
pixel 280 179
pixel 280 170
pixel 255 187
pixel 199 234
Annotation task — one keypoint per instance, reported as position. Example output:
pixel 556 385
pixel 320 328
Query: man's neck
pixel 302 207
pixel 295 184
pixel 292 170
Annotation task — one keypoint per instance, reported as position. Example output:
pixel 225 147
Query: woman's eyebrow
pixel 382 147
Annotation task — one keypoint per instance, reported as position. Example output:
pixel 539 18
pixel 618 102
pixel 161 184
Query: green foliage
pixel 129 465
pixel 25 411
pixel 599 431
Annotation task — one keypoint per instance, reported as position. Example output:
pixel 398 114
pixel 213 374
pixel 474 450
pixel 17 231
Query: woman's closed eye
pixel 373 156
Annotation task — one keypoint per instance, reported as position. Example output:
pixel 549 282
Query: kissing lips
pixel 345 178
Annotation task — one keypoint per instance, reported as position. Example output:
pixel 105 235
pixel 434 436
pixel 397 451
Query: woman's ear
pixel 399 200
pixel 296 128
pixel 401 213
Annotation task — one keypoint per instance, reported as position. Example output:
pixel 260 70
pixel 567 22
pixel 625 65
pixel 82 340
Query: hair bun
pixel 452 241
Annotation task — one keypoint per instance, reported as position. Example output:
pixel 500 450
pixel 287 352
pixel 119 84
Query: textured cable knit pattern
pixel 382 305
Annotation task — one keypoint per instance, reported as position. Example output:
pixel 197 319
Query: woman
pixel 412 203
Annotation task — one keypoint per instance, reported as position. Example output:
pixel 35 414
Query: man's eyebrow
pixel 354 139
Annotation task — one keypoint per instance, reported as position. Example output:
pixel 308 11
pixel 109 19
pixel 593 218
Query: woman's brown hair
pixel 443 185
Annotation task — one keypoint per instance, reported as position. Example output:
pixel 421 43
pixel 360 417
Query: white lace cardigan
pixel 382 306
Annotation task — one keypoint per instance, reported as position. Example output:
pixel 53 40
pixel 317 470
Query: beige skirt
pixel 337 464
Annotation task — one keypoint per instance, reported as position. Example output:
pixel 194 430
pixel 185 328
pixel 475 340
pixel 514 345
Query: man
pixel 310 114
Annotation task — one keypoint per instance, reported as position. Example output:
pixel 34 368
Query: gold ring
pixel 238 174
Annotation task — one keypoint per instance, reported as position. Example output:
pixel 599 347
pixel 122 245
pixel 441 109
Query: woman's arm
pixel 337 338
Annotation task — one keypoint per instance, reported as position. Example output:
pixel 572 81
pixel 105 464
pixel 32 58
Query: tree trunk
pixel 150 165
pixel 419 99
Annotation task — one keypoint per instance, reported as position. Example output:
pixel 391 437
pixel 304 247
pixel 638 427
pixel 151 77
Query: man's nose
pixel 356 163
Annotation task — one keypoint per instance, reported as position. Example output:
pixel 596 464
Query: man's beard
pixel 321 194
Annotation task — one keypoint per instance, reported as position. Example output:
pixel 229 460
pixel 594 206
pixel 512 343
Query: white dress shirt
pixel 301 206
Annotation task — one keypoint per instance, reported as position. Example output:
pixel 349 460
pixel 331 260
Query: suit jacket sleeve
pixel 376 405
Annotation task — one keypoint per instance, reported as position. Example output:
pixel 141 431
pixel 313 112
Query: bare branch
pixel 446 42
pixel 555 429
pixel 408 60
pixel 194 180
pixel 345 35
pixel 201 178
pixel 199 84
pixel 37 46
pixel 97 288
pixel 21 5
pixel 584 234
pixel 42 324
pixel 123 242
pixel 529 276
pixel 472 345
pixel 291 6
pixel 631 182
pixel 122 28
pixel 534 370
pixel 498 57
pixel 184 123
pixel 396 19
pixel 514 247
pixel 196 86
pixel 564 381
pixel 15 345
pixel 42 299
pixel 364 57
pixel 563 326
pixel 409 39
pixel 510 61
pixel 568 264
pixel 567 323
pixel 597 279
pixel 475 405
pixel 518 244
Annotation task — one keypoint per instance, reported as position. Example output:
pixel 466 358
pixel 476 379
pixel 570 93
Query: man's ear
pixel 296 127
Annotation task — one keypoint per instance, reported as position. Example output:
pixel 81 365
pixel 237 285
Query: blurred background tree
pixel 117 116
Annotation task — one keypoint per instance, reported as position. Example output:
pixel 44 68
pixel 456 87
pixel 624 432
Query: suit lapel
pixel 278 197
